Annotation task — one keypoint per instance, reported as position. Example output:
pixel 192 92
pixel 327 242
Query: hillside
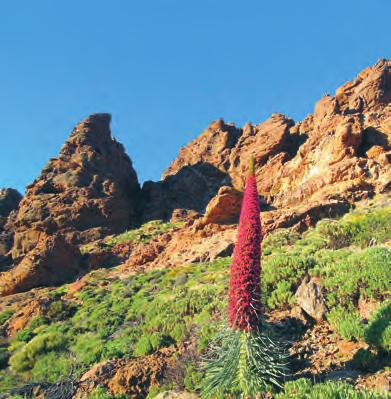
pixel 109 289
pixel 145 332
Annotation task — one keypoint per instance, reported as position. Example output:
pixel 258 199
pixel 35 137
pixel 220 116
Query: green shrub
pixel 4 356
pixel 378 332
pixel 179 332
pixel 364 360
pixel 52 367
pixel 60 310
pixel 347 322
pixel 36 322
pixel 120 346
pixel 88 348
pixel 143 234
pixel 281 296
pixel 24 335
pixel 101 393
pixel 143 346
pixel 159 340
pixel 25 358
pixel 192 378
pixel 360 228
pixel 346 275
pixel 278 239
pixel 283 273
pixel 6 315
pixel 303 388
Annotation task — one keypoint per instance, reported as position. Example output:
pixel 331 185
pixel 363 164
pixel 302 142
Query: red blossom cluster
pixel 244 289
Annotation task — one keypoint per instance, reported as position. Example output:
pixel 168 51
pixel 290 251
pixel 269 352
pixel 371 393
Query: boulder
pixel 51 262
pixel 135 377
pixel 224 207
pixel 309 297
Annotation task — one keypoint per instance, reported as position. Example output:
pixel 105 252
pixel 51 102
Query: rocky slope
pixel 133 332
pixel 85 193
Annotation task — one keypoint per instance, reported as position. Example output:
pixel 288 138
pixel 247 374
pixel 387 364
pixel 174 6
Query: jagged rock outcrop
pixel 51 262
pixel 9 202
pixel 341 152
pixel 88 191
pixel 213 146
pixel 191 188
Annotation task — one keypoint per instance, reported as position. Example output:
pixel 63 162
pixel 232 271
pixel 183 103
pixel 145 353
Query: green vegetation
pixel 138 315
pixel 143 234
pixel 101 393
pixel 347 322
pixel 131 317
pixel 303 388
pixel 4 316
pixel 378 332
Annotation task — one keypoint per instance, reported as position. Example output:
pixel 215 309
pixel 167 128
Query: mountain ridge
pixel 320 166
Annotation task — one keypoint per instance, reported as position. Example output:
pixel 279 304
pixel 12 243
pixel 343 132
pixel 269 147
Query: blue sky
pixel 165 69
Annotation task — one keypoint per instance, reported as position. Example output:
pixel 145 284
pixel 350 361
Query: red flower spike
pixel 244 288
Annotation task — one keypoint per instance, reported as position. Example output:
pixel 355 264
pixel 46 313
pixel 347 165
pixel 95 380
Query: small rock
pixel 310 298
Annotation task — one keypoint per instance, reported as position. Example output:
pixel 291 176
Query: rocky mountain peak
pixel 88 191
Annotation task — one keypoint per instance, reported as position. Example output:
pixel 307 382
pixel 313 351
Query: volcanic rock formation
pixel 87 192
pixel 191 188
pixel 51 262
pixel 9 202
pixel 341 152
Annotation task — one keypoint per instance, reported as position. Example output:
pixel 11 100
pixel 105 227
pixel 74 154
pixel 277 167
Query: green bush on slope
pixel 303 388
pixel 143 234
pixel 378 332
pixel 130 317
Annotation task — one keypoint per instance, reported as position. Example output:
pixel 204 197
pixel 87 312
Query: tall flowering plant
pixel 244 287
pixel 243 361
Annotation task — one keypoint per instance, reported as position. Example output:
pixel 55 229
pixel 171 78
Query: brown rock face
pixel 213 146
pixel 88 191
pixel 341 152
pixel 191 188
pixel 194 242
pixel 51 262
pixel 9 202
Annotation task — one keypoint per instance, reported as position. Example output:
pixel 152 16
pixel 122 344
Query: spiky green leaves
pixel 242 363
